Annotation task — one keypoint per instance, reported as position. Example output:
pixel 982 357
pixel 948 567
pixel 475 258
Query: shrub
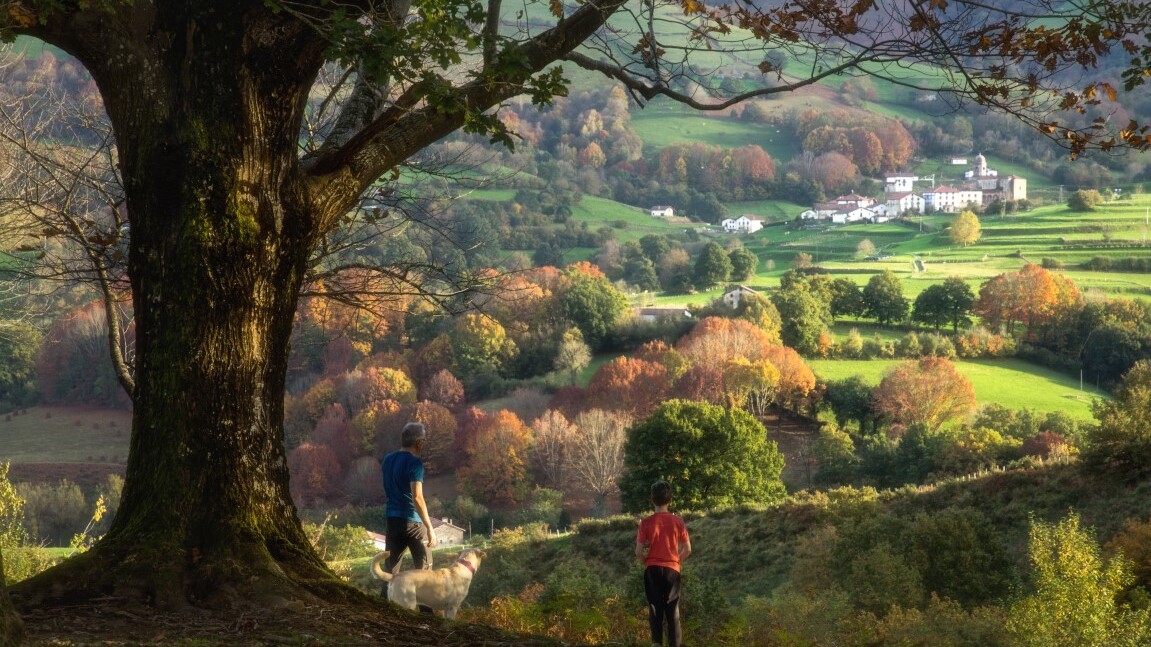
pixel 1075 593
pixel 337 543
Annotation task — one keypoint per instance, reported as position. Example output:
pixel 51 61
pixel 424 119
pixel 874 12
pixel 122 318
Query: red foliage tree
pixel 702 382
pixel 1044 444
pixel 73 366
pixel 630 385
pixel 930 391
pixel 569 400
pixel 467 422
pixel 362 482
pixel 315 474
pixel 334 431
pixel 444 389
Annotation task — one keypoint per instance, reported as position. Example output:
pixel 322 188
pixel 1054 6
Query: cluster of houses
pixel 981 186
pixel 741 225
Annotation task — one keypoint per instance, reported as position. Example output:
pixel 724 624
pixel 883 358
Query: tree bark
pixel 11 629
pixel 207 115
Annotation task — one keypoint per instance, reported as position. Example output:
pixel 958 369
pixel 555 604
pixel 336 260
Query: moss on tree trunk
pixel 221 230
pixel 11 629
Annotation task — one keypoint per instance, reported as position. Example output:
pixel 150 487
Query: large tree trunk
pixel 221 229
pixel 11 629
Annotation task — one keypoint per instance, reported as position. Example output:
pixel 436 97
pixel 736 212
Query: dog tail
pixel 377 570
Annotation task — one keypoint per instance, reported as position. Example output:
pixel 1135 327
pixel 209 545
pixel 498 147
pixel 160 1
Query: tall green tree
pixel 208 100
pixel 593 305
pixel 883 298
pixel 803 316
pixel 1121 442
pixel 712 456
pixel 944 303
pixel 19 343
pixel 712 268
pixel 743 264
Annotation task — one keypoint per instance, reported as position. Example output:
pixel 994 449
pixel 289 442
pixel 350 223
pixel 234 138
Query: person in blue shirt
pixel 409 526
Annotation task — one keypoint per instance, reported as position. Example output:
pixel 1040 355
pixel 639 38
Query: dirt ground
pixel 111 624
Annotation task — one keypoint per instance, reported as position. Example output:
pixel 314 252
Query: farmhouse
pixel 899 183
pixel 950 199
pixel 742 225
pixel 899 203
pixel 656 313
pixel 447 534
pixel 662 211
pixel 733 296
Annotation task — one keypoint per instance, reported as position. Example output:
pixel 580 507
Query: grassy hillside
pixel 752 552
pixel 65 435
pixel 1013 383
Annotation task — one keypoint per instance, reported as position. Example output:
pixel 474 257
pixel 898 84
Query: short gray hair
pixel 413 433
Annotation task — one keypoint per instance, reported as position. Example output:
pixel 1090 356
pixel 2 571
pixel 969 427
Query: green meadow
pixel 1011 382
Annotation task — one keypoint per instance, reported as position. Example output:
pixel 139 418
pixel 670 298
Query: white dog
pixel 443 589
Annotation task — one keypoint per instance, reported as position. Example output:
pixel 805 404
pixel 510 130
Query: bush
pixel 1075 593
pixel 54 513
pixel 338 543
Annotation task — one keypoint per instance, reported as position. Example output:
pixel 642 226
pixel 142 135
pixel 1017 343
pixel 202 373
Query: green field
pixel 1013 383
pixel 65 435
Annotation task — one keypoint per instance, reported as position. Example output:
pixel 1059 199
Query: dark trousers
pixel 663 588
pixel 400 535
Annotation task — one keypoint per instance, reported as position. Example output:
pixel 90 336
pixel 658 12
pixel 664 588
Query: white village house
pixel 733 296
pixel 447 534
pixel 662 211
pixel 742 225
pixel 949 199
pixel 900 203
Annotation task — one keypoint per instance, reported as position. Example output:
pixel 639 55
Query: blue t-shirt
pixel 400 468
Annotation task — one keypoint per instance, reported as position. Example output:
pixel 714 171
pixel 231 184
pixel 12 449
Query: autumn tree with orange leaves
pixel 1032 297
pixel 634 386
pixel 498 453
pixel 930 392
pixel 720 340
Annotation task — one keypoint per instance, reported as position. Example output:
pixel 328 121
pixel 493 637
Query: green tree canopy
pixel 803 316
pixel 1122 439
pixel 883 298
pixel 944 303
pixel 743 264
pixel 593 305
pixel 712 268
pixel 713 457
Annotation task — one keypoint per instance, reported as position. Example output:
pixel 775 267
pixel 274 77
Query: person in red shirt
pixel 662 543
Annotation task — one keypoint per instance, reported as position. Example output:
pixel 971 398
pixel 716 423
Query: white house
pixel 733 296
pixel 853 200
pixel 742 225
pixel 858 214
pixel 447 534
pixel 662 211
pixel 901 202
pixel 899 183
pixel 950 199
